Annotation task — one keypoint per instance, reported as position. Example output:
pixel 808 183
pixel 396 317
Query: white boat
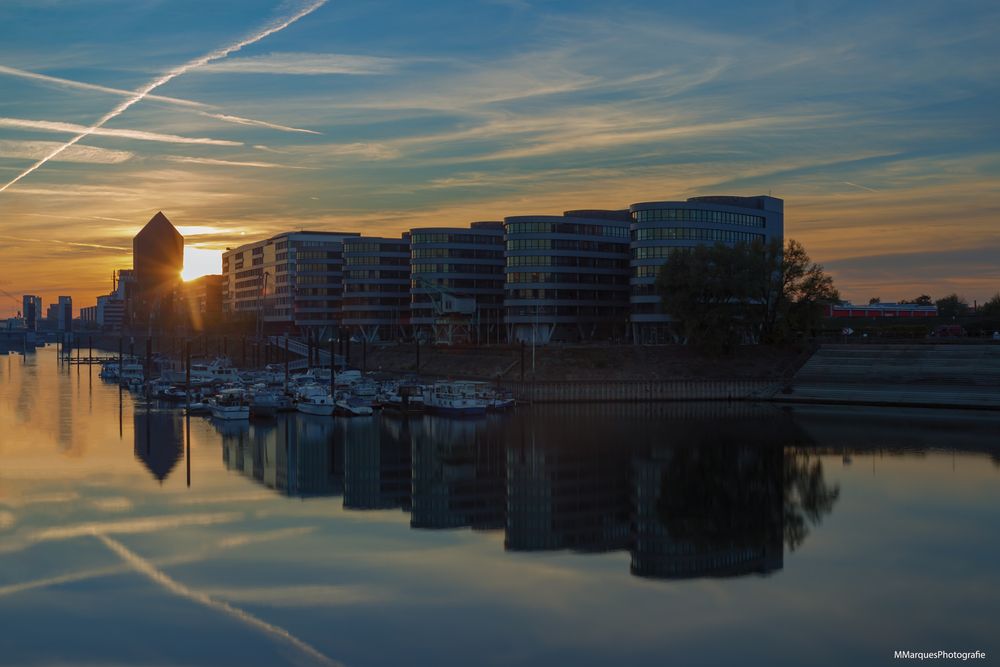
pixel 352 406
pixel 316 404
pixel 459 399
pixel 219 371
pixel 229 404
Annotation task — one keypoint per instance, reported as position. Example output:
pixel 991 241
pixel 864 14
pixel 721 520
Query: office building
pixel 567 277
pixel 31 311
pixel 456 283
pixel 661 228
pixel 157 260
pixel 377 287
pixel 64 314
pixel 292 282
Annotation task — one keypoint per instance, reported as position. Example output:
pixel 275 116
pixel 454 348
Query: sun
pixel 200 262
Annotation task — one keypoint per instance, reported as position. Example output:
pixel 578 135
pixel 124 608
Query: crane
pixel 451 310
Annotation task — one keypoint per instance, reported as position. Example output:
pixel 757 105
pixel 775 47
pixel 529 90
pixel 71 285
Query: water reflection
pixel 159 440
pixel 700 499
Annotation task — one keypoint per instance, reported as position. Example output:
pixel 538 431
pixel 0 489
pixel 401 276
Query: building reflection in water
pixel 458 474
pixel 298 457
pixel 709 491
pixel 159 440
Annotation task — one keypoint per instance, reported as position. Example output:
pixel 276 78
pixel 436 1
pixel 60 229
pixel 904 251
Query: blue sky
pixel 877 122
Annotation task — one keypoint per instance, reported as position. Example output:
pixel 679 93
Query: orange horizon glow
pixel 200 262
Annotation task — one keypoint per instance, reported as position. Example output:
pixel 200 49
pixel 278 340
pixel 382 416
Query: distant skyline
pixel 875 122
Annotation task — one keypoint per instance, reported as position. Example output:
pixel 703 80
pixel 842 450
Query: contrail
pixel 863 187
pixel 196 106
pixel 169 76
pixel 144 567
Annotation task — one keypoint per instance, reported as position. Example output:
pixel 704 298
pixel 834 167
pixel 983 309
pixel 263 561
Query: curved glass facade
pixel 660 229
pixel 566 278
pixel 461 263
pixel 376 301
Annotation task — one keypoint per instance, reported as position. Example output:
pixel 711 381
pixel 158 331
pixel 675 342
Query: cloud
pixel 146 90
pixel 131 526
pixel 157 576
pixel 302 596
pixel 7 519
pixel 139 135
pixel 196 106
pixel 239 120
pixel 304 63
pixel 33 150
pixel 228 163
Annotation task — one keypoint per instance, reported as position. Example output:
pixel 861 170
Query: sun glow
pixel 200 262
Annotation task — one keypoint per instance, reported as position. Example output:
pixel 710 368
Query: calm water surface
pixel 584 535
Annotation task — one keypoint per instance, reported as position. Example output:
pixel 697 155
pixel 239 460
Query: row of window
pixel 616 231
pixel 698 215
pixel 317 254
pixel 463 253
pixel 480 269
pixel 566 278
pixel 567 260
pixel 378 288
pixel 421 238
pixel 375 301
pixel 696 234
pixel 375 260
pixel 566 244
pixel 374 247
pixel 568 294
pixel 608 312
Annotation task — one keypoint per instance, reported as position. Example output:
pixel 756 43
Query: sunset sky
pixel 878 123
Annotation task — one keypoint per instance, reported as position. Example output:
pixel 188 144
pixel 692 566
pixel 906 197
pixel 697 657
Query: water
pixel 585 535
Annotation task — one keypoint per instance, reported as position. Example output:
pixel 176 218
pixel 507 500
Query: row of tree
pixel 723 295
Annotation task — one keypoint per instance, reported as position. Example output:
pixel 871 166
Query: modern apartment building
pixel 456 282
pixel 290 282
pixel 662 228
pixel 376 302
pixel 567 277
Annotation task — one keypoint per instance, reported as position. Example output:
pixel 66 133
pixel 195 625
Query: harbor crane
pixel 453 313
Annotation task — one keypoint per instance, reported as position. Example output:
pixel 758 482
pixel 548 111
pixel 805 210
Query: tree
pixel 704 288
pixel 992 307
pixel 722 295
pixel 952 306
pixel 922 300
pixel 874 301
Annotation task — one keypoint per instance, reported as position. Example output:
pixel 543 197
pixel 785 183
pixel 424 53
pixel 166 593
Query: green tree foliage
pixel 952 306
pixel 992 307
pixel 723 295
pixel 874 301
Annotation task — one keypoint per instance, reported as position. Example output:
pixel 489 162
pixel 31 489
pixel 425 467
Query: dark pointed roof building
pixel 158 258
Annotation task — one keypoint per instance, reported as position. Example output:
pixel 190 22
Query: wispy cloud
pixel 34 150
pixel 197 107
pixel 228 163
pixel 159 577
pixel 139 135
pixel 169 76
pixel 305 63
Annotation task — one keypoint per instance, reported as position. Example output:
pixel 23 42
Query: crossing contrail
pixel 141 93
pixel 158 576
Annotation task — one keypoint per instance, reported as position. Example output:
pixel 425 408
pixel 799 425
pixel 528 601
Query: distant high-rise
pixel 157 259
pixel 64 314
pixel 31 310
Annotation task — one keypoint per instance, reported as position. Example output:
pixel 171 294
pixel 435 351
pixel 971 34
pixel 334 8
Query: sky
pixel 877 123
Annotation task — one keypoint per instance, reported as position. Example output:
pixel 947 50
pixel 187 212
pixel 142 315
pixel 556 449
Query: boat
pixel 199 408
pixel 352 406
pixel 316 404
pixel 131 374
pixel 407 399
pixel 458 399
pixel 174 395
pixel 229 404
pixel 266 404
